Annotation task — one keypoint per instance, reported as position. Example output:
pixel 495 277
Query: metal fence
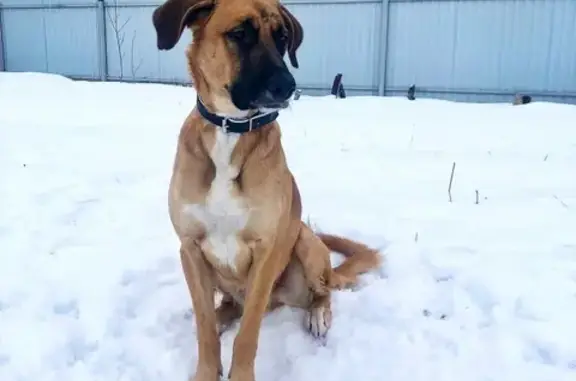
pixel 476 50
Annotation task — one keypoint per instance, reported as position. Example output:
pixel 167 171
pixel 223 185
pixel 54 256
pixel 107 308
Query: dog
pixel 233 202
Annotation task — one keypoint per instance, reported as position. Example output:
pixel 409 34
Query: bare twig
pixel 119 34
pixel 133 68
pixel 477 197
pixel 562 202
pixel 416 237
pixel 546 157
pixel 123 25
pixel 450 185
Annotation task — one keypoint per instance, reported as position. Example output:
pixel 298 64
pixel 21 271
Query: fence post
pixel 2 48
pixel 102 44
pixel 383 46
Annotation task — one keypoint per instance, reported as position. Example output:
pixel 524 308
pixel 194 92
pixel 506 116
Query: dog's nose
pixel 281 85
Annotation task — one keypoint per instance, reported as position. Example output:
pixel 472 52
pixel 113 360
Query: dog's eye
pixel 237 34
pixel 280 39
pixel 280 35
pixel 244 34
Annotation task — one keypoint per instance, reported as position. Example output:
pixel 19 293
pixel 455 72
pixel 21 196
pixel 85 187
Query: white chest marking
pixel 223 214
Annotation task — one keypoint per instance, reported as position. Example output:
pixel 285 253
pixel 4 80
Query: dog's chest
pixel 223 213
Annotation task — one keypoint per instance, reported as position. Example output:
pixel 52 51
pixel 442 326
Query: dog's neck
pixel 253 121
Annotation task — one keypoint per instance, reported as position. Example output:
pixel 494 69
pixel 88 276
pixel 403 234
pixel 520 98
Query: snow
pixel 91 287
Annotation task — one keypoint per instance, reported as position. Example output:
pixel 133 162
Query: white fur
pixel 223 215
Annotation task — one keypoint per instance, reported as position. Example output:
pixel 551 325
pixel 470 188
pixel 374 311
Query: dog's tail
pixel 359 259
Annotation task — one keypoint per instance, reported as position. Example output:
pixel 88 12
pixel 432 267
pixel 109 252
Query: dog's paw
pixel 319 321
pixel 203 378
pixel 241 374
pixel 206 375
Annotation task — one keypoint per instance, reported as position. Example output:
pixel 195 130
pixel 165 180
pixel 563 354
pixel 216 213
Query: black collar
pixel 239 126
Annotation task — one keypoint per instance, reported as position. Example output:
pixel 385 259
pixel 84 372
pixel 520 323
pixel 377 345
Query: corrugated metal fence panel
pixel 496 46
pixel 34 3
pixel 337 38
pixel 135 3
pixel 62 40
pixel 131 40
pixel 453 49
pixel 348 45
pixel 24 40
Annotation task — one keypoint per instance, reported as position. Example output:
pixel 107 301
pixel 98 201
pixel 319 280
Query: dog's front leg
pixel 263 274
pixel 198 278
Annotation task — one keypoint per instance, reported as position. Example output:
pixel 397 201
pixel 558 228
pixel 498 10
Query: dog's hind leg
pixel 306 281
pixel 315 259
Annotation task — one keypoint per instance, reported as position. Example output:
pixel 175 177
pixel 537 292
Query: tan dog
pixel 233 201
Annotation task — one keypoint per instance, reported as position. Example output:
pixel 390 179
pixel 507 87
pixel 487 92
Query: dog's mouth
pixel 267 102
pixel 271 106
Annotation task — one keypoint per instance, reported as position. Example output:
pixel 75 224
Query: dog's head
pixel 236 58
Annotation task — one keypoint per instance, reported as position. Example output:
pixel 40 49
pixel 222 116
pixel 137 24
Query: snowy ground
pixel 91 288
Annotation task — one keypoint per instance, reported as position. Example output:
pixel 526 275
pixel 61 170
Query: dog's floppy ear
pixel 295 34
pixel 173 16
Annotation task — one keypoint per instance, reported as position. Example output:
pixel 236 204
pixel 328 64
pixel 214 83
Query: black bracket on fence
pixel 337 87
pixel 297 94
pixel 411 93
pixel 520 99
